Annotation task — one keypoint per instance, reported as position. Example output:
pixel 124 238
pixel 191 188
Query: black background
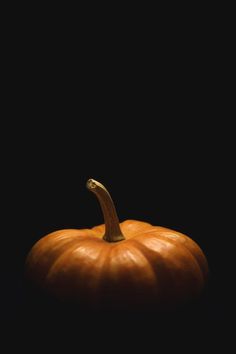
pixel 146 111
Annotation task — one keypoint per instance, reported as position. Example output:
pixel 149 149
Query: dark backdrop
pixel 148 117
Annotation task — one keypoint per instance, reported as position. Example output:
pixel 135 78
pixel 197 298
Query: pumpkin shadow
pixel 63 323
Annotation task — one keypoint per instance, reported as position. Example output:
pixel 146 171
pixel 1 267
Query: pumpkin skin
pixel 152 267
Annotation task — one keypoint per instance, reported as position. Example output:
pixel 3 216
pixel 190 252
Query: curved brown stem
pixel 112 227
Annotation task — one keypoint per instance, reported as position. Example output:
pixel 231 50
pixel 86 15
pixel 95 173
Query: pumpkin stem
pixel 112 226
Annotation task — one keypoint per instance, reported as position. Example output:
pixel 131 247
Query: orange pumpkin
pixel 119 265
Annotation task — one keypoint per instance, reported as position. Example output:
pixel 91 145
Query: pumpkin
pixel 131 264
